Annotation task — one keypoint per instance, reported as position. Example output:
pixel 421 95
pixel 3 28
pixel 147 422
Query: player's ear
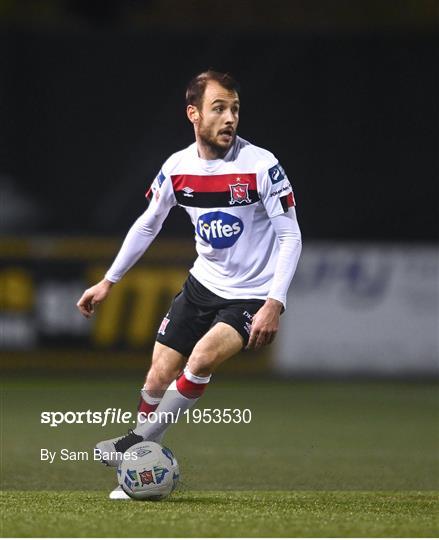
pixel 192 114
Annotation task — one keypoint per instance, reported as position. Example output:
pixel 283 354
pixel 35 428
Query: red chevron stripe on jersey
pixel 216 182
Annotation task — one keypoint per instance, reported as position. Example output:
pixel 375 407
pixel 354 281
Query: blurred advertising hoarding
pixel 366 310
pixel 42 279
pixel 352 309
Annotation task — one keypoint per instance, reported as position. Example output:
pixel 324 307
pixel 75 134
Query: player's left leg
pixel 220 343
pixel 166 365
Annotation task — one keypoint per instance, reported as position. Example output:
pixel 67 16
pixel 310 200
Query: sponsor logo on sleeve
pixel 280 191
pixel 276 173
pixel 154 189
pixel 161 178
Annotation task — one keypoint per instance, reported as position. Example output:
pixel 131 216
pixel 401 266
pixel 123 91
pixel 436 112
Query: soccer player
pixel 248 241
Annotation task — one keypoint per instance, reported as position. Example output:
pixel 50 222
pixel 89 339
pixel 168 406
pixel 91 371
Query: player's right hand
pixel 93 296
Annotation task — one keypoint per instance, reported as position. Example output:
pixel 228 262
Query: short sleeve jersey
pixel 230 202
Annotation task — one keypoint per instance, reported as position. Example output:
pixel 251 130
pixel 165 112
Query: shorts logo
pixel 276 173
pixel 163 326
pixel 247 327
pixel 219 229
pixel 239 193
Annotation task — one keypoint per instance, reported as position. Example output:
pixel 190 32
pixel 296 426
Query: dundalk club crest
pixel 239 193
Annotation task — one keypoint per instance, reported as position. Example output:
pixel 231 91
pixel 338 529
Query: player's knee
pixel 202 363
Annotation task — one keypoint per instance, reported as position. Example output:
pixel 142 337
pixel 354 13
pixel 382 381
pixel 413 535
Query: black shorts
pixel 196 309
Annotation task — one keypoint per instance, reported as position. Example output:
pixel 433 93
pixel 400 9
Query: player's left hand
pixel 265 324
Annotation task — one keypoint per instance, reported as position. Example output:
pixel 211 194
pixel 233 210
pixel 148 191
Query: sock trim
pixel 149 399
pixel 195 378
pixel 189 389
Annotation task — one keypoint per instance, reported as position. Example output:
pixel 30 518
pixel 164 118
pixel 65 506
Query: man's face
pixel 219 117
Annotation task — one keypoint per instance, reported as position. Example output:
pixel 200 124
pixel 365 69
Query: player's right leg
pixel 165 367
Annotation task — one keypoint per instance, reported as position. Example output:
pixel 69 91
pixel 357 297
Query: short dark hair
pixel 197 86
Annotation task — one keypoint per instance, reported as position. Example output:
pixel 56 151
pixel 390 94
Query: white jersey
pixel 230 202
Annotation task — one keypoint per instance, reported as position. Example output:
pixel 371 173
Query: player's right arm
pixel 139 238
pixel 93 296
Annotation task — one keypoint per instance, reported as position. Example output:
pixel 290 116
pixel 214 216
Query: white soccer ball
pixel 149 471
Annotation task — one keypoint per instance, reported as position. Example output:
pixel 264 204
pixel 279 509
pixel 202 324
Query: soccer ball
pixel 149 472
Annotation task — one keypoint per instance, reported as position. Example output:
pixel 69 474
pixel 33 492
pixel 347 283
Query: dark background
pixel 345 94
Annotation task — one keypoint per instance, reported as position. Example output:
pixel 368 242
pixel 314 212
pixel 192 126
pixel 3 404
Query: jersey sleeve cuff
pixel 280 298
pixel 111 277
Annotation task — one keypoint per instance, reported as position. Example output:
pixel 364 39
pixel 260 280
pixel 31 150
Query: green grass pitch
pixel 222 513
pixel 318 459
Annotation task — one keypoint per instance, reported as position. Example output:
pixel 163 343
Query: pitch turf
pixel 222 513
pixel 318 459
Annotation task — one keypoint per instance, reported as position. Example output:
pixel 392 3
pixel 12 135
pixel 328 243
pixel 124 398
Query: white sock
pixel 180 396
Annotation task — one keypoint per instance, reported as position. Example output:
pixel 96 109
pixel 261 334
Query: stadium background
pixel 345 94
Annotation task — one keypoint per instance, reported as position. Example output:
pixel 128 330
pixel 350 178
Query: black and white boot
pixel 111 451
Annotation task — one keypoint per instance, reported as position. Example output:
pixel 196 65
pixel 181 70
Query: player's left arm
pixel 278 198
pixel 265 322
